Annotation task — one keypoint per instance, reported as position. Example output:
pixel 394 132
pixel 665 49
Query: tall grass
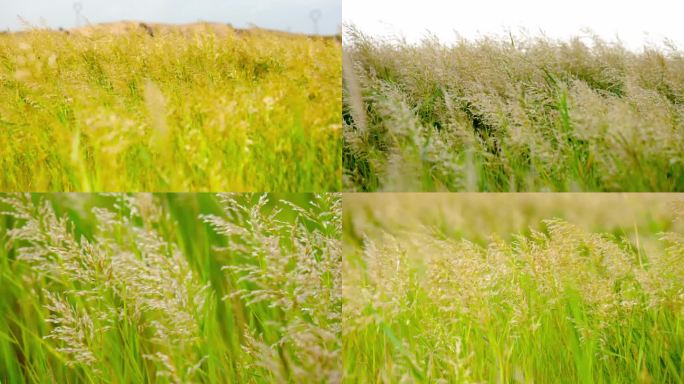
pixel 180 111
pixel 554 303
pixel 170 288
pixel 511 114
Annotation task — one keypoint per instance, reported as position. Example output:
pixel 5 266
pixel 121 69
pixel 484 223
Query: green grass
pixel 197 110
pixel 511 114
pixel 528 300
pixel 170 288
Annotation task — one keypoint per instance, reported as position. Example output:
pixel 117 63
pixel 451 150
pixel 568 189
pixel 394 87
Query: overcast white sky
pixel 293 15
pixel 635 22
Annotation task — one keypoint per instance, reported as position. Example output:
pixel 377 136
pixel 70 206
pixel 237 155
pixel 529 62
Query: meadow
pixel 511 113
pixel 513 288
pixel 144 108
pixel 170 288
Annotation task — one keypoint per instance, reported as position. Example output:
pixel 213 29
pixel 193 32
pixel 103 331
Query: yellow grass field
pixel 134 107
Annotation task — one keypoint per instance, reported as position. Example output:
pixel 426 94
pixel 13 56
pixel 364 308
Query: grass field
pixel 511 114
pixel 111 108
pixel 170 288
pixel 522 288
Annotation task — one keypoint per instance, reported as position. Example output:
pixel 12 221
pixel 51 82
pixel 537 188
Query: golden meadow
pixel 196 108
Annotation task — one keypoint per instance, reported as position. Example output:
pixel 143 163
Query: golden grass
pixel 184 110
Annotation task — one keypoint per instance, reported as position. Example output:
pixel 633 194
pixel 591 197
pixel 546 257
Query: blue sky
pixel 292 15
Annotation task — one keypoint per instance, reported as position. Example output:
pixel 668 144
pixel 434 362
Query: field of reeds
pixel 513 288
pixel 170 288
pixel 131 108
pixel 511 113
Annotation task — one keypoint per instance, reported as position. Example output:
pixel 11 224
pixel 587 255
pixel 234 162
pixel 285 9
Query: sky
pixel 287 15
pixel 635 22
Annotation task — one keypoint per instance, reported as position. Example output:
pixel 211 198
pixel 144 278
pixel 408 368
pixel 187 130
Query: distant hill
pixel 155 29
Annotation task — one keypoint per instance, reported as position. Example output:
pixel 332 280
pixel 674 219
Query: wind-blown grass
pixel 200 111
pixel 170 288
pixel 558 302
pixel 518 114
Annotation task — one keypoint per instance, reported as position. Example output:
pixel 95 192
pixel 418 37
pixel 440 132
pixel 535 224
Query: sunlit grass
pixel 200 111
